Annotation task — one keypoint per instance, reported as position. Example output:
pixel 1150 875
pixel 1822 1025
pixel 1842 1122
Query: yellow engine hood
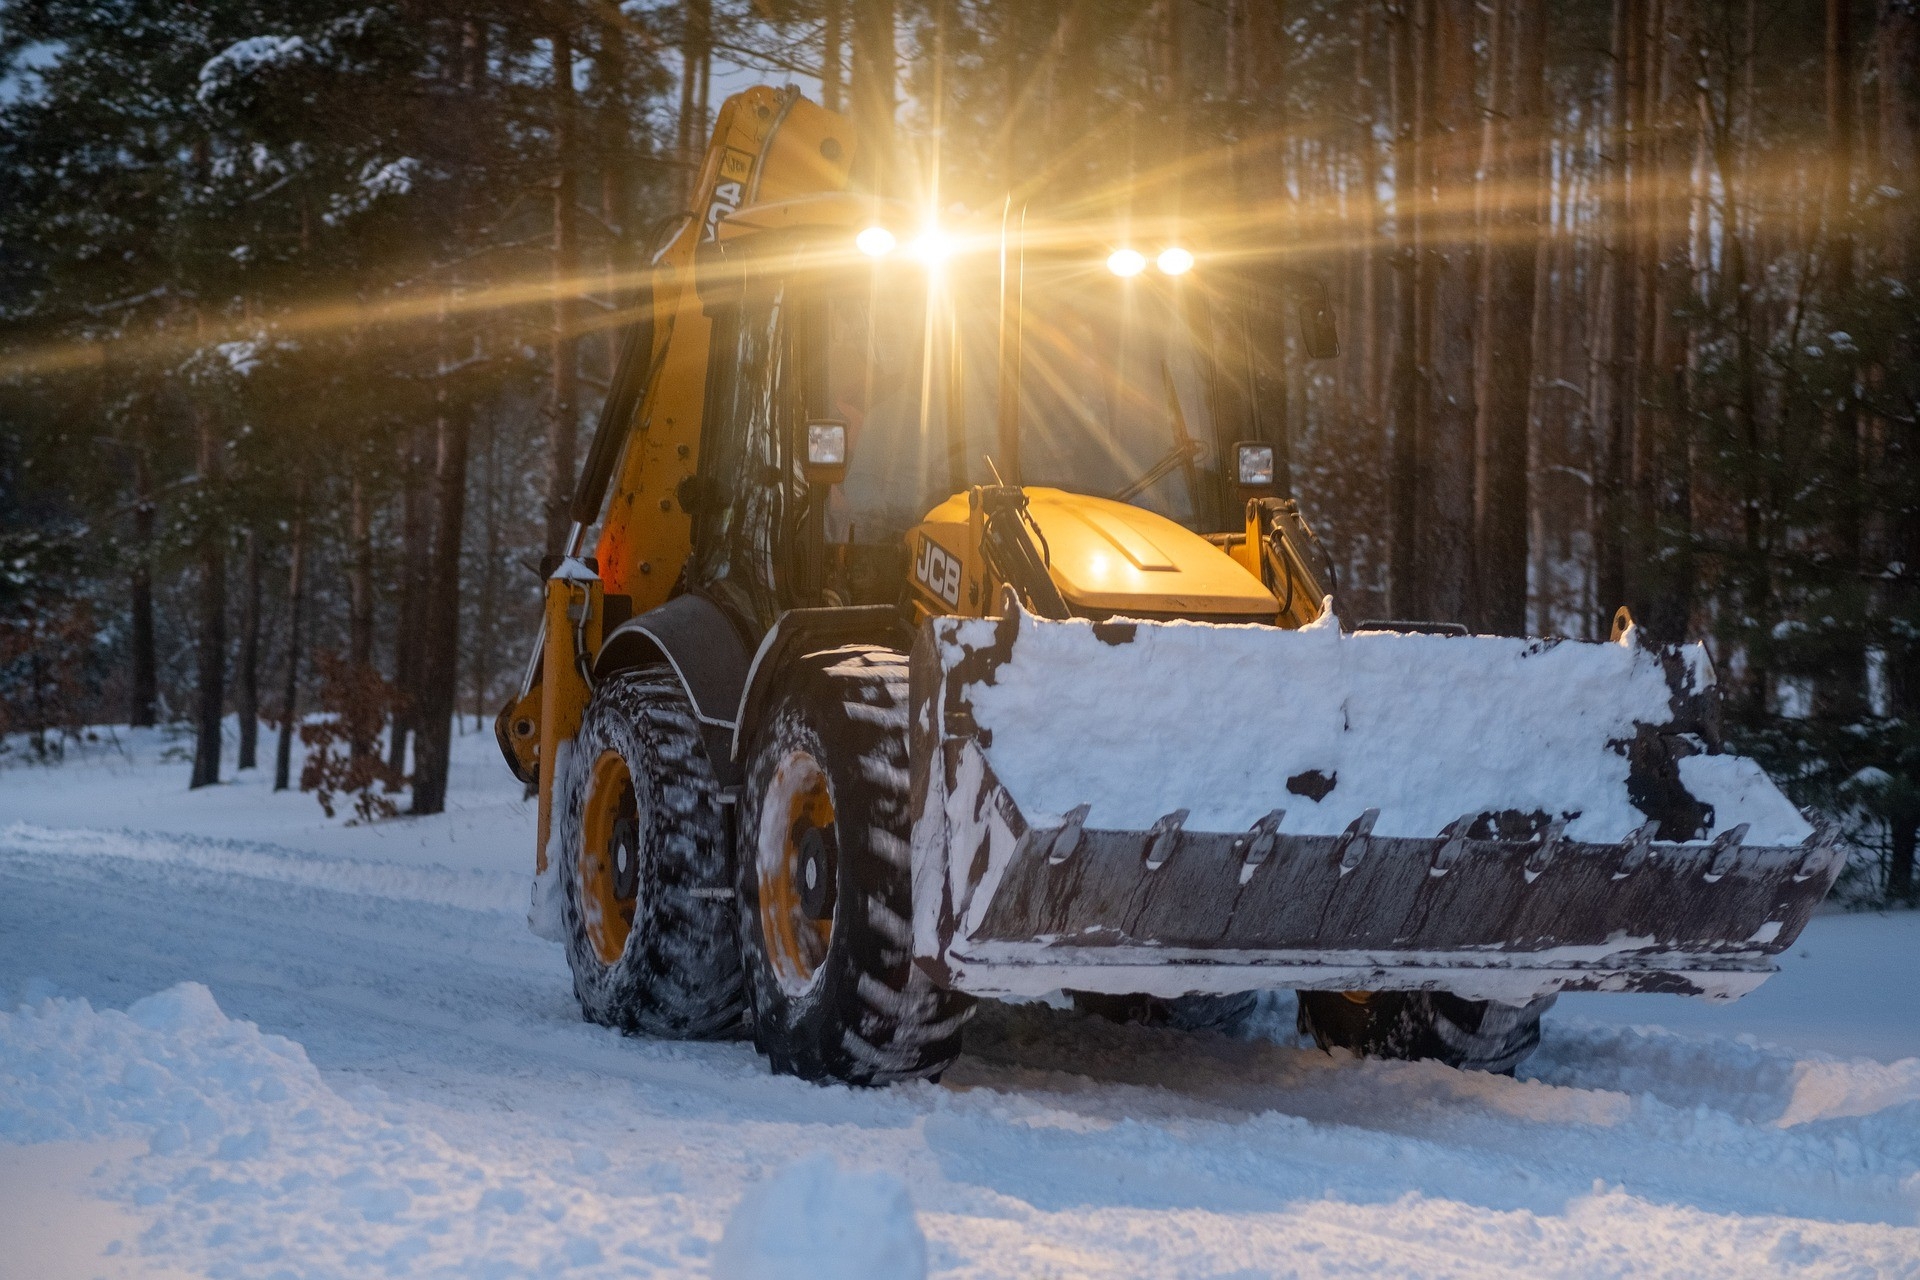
pixel 1109 556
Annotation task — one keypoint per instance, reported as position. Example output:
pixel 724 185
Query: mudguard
pixel 696 638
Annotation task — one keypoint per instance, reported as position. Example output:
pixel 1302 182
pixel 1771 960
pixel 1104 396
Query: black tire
pixel 678 974
pixel 1223 1015
pixel 855 1009
pixel 1473 1035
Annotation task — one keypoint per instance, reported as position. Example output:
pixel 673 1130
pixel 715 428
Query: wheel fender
pixel 695 637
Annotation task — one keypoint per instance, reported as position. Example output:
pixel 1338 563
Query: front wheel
pixel 641 846
pixel 824 882
pixel 1473 1035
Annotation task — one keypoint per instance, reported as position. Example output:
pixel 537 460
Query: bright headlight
pixel 875 242
pixel 931 245
pixel 1175 261
pixel 1126 262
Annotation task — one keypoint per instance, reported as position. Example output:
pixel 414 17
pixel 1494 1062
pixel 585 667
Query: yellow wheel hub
pixel 609 857
pixel 797 803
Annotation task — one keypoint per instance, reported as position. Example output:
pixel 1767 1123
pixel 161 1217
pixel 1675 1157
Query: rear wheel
pixel 824 882
pixel 642 862
pixel 1473 1035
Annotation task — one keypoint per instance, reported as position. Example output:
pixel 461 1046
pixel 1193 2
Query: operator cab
pixel 888 366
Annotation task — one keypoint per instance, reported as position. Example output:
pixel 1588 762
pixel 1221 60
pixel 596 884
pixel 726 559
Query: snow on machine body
pixel 869 702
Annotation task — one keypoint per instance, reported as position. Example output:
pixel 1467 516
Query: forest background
pixel 305 309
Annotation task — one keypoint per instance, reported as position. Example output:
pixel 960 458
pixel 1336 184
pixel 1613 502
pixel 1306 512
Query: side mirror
pixel 1253 467
pixel 826 451
pixel 1318 333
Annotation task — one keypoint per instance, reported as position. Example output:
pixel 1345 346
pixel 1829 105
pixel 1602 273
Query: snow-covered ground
pixel 237 1038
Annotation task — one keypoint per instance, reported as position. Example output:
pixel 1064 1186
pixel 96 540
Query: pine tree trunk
pixel 360 590
pixel 483 646
pixel 1661 588
pixel 440 644
pixel 246 694
pixel 873 89
pixel 1445 406
pixel 1898 109
pixel 1404 378
pixel 1615 341
pixel 562 426
pixel 145 690
pixel 1904 829
pixel 416 536
pixel 1509 274
pixel 696 55
pixel 1369 333
pixel 210 694
pixel 439 684
pixel 616 192
pixel 1731 155
pixel 290 678
pixel 1840 691
pixel 832 54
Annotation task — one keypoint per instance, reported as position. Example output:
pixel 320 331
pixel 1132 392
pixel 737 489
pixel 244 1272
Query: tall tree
pixel 144 689
pixel 873 89
pixel 246 692
pixel 290 674
pixel 1615 346
pixel 211 650
pixel 833 42
pixel 1841 686
pixel 563 425
pixel 1513 157
pixel 1445 292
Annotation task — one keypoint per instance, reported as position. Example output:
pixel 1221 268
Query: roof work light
pixel 875 242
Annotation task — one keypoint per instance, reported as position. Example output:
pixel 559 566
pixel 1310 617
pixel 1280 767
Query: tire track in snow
pixel 472 890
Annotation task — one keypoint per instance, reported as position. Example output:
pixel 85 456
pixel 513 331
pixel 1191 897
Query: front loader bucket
pixel 1180 807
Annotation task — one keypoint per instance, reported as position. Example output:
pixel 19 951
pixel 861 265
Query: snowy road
pixel 421 1098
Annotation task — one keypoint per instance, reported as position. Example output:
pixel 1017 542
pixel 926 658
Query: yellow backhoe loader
pixel 947 636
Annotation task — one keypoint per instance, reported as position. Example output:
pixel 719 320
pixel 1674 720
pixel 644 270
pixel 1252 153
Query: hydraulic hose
pixel 629 384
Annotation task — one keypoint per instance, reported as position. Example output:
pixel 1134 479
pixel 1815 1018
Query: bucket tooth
pixel 1543 852
pixel 1635 849
pixel 1355 840
pixel 1066 842
pixel 1819 847
pixel 1453 843
pixel 1726 852
pixel 1164 840
pixel 1259 843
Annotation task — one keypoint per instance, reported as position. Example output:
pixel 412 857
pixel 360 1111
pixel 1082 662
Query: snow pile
pixel 172 1065
pixel 816 1221
pixel 257 1167
pixel 1219 719
pixel 1827 1090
